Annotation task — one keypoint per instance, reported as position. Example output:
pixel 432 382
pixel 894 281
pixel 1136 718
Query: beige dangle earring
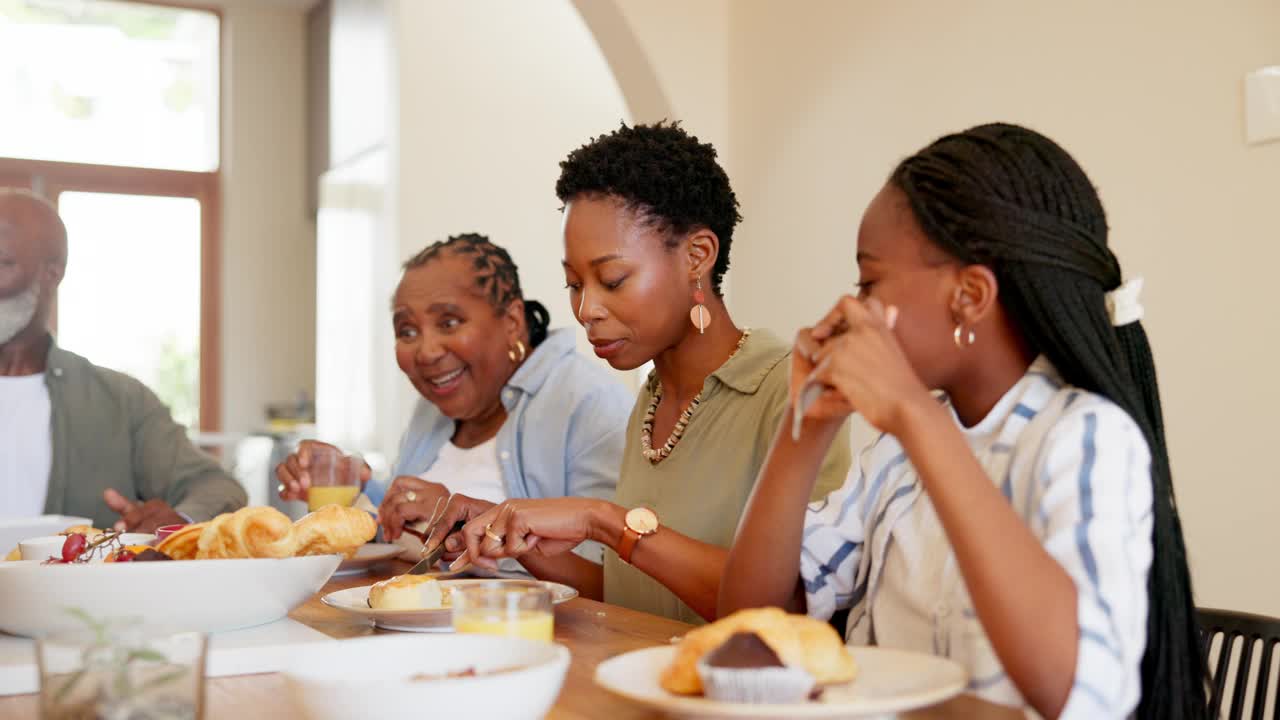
pixel 699 315
pixel 963 341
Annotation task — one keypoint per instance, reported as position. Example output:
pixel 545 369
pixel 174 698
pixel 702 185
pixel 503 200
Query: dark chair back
pixel 1246 632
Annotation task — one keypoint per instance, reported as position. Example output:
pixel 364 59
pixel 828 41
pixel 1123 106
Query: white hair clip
pixel 1124 304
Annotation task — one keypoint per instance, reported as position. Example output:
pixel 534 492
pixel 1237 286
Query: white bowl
pixel 202 595
pixel 370 678
pixel 43 548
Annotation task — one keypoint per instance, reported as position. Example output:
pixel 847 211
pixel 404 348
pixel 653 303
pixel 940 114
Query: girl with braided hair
pixel 508 408
pixel 1025 524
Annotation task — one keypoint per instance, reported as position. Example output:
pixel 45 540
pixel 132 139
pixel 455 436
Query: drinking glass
pixel 514 609
pixel 335 478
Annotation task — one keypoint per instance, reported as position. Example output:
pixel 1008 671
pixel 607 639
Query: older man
pixel 75 438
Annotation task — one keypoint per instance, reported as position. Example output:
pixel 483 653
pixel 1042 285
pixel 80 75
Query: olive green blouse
pixel 701 488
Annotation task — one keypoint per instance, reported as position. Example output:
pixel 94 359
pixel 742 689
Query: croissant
pixel 182 544
pixel 334 529
pixel 797 640
pixel 825 655
pixel 252 532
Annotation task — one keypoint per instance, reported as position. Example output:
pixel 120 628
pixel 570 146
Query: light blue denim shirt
pixel 564 433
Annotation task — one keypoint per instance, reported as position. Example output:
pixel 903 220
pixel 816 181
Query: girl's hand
pixel 829 405
pixel 548 526
pixel 859 358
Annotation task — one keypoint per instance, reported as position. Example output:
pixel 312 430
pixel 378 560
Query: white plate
pixel 366 557
pixel 205 595
pixel 370 678
pixel 355 601
pixel 888 681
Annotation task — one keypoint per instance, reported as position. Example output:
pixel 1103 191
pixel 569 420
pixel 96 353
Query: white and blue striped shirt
pixel 1076 469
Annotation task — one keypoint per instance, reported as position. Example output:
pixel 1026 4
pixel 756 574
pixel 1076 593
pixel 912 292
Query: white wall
pixel 827 95
pixel 687 46
pixel 491 96
pixel 268 240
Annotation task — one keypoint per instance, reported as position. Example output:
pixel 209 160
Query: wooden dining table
pixel 592 631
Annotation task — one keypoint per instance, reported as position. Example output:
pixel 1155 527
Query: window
pixel 112 113
pixel 109 83
pixel 132 290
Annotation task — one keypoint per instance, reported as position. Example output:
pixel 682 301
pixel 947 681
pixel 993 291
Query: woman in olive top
pixel 649 217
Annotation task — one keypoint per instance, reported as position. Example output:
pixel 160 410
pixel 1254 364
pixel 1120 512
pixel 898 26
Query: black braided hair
pixel 496 275
pixel 1011 199
pixel 665 176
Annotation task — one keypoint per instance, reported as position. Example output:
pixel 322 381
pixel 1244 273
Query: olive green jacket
pixel 110 431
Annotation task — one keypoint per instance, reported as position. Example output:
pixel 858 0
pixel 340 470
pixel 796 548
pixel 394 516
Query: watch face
pixel 642 520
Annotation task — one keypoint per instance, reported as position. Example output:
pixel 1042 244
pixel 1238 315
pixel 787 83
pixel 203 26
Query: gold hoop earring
pixel 699 315
pixel 518 354
pixel 963 341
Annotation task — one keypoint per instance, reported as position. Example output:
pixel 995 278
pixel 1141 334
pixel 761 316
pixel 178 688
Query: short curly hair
pixel 665 176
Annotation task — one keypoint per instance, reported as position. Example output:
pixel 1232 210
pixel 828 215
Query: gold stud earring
pixel 699 315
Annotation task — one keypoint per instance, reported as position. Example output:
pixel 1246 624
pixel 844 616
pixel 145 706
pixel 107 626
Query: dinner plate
pixel 366 557
pixel 888 681
pixel 202 595
pixel 355 601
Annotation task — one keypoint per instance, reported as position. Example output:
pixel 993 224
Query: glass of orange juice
pixel 514 609
pixel 335 478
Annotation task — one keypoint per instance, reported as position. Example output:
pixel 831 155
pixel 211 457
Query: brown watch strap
pixel 628 544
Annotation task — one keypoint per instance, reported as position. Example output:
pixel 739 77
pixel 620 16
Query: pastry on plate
pixel 744 669
pixel 408 592
pixel 797 640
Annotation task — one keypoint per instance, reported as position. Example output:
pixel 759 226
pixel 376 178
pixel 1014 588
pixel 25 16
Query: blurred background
pixel 242 178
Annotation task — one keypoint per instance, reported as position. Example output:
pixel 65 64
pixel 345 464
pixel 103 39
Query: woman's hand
pixel 458 508
pixel 409 499
pixel 858 357
pixel 547 526
pixel 293 472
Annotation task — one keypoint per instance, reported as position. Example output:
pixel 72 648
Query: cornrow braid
pixel 1011 199
pixel 496 275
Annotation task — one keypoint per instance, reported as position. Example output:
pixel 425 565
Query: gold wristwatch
pixel 639 523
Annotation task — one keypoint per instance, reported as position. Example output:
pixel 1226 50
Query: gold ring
pixel 489 533
pixel 411 496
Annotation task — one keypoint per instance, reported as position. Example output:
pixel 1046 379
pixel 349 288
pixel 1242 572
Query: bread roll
pixel 407 592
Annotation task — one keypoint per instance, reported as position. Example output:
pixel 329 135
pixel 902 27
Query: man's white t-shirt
pixel 26 445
